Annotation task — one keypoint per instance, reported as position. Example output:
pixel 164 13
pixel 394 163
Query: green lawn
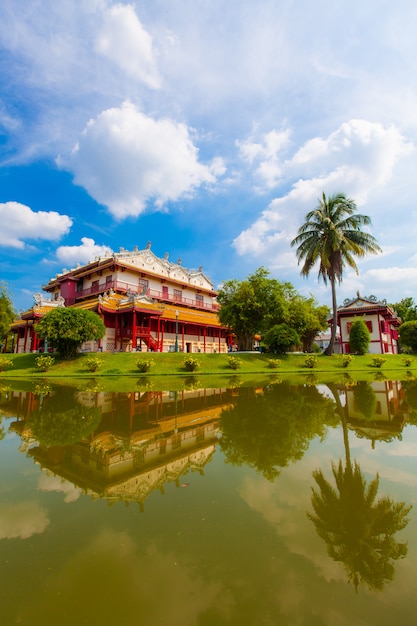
pixel 213 370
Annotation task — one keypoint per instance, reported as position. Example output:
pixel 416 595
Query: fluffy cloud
pixel 359 156
pixel 88 250
pixel 124 41
pixel 52 483
pixel 19 222
pixel 125 159
pixel 22 520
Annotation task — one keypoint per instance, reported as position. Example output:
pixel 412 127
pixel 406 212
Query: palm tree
pixel 332 235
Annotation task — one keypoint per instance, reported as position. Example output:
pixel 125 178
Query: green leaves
pixel 68 328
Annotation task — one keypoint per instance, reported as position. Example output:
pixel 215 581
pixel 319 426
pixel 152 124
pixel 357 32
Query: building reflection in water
pixel 375 410
pixel 143 441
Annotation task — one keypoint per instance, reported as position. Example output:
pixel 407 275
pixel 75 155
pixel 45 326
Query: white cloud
pixel 126 159
pixel 52 483
pixel 19 222
pixel 87 251
pixel 124 41
pixel 22 520
pixel 359 156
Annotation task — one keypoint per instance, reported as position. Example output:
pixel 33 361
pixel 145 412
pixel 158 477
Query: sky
pixel 209 128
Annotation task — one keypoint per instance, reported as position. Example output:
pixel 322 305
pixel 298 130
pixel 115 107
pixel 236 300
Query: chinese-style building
pixel 147 303
pixel 381 320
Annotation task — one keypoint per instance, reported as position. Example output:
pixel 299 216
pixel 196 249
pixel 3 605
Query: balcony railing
pixel 161 296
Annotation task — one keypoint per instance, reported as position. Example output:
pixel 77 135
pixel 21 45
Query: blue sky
pixel 209 129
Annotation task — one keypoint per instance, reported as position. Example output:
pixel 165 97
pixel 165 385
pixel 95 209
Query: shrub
pixel 234 362
pixel 44 362
pixel 4 364
pixel 191 364
pixel 346 359
pixel 92 363
pixel 281 338
pixel 144 365
pixel 310 361
pixel 359 337
pixel 274 363
pixel 407 360
pixel 378 361
pixel 408 335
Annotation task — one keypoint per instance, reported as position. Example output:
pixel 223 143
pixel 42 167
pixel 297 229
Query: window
pixel 199 299
pixel 109 279
pixel 94 286
pixel 177 295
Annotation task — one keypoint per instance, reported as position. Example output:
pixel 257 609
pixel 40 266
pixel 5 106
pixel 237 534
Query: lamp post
pixel 176 331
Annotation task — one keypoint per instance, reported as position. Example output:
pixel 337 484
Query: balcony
pixel 122 287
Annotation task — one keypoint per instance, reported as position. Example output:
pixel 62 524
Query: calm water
pixel 284 505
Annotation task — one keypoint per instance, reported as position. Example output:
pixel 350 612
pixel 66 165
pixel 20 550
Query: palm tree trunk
pixel 330 348
pixel 340 410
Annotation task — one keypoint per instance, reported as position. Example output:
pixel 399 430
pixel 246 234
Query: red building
pixel 381 320
pixel 145 302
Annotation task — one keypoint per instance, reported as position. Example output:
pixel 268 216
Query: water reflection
pixel 269 428
pixel 120 446
pixel 357 528
pixel 235 546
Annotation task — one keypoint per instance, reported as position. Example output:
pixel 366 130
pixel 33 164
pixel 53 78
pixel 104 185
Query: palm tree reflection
pixel 358 528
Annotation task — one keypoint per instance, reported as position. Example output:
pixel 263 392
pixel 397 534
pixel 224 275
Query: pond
pixel 278 505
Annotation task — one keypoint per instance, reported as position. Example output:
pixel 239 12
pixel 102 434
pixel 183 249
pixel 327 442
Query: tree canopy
pixel 7 312
pixel 260 302
pixel 408 335
pixel 332 237
pixel 68 328
pixel 406 309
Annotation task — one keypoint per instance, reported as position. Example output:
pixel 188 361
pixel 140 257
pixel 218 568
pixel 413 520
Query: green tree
pixel 307 318
pixel 359 337
pixel 253 305
pixel 407 333
pixel 332 236
pixel 7 312
pixel 281 338
pixel 68 328
pixel 406 309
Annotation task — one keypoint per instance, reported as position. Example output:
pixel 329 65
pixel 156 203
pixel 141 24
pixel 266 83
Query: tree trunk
pixel 330 348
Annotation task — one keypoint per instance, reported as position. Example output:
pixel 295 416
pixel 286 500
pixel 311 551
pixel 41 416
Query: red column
pixel 116 327
pixel 35 340
pixel 26 336
pixel 134 341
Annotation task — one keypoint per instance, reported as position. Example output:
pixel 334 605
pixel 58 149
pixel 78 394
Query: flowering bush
pixel 310 361
pixel 191 364
pixel 92 363
pixel 346 359
pixel 44 362
pixel 144 365
pixel 4 364
pixel 407 360
pixel 274 363
pixel 378 361
pixel 234 362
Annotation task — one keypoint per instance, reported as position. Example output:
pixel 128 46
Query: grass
pixel 118 371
